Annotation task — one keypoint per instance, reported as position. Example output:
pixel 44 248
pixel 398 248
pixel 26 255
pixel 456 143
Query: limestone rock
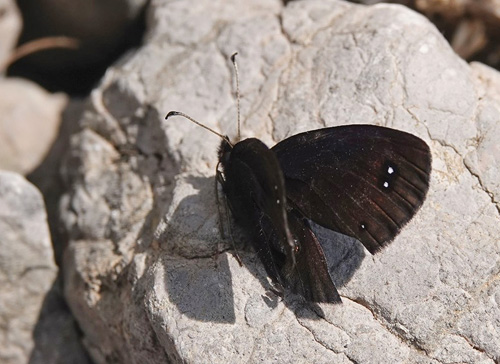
pixel 472 26
pixel 488 10
pixel 29 122
pixel 140 209
pixel 27 268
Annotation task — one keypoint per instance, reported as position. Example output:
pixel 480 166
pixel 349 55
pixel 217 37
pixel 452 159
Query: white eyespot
pixel 386 184
pixel 390 170
pixel 278 201
pixel 275 187
pixel 363 226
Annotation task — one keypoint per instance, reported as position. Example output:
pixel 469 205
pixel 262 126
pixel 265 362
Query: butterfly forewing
pixel 360 180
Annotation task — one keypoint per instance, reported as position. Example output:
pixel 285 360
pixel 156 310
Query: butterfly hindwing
pixel 363 181
pixel 309 277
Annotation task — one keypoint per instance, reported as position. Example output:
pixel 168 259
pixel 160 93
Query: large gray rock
pixel 140 210
pixel 27 268
pixel 36 326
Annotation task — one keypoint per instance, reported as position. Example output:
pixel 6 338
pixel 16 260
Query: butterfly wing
pixel 255 188
pixel 283 239
pixel 309 277
pixel 364 181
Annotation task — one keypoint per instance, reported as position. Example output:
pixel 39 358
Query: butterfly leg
pixel 220 179
pixel 228 222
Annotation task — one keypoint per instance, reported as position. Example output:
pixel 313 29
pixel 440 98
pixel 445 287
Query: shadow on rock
pixel 201 285
pixel 200 289
pixel 343 254
pixel 197 279
pixel 47 177
pixel 56 336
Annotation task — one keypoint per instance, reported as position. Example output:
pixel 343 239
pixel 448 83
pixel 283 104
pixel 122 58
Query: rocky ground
pixel 115 263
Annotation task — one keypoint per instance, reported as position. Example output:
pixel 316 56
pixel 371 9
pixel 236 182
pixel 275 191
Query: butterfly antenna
pixel 178 113
pixel 235 65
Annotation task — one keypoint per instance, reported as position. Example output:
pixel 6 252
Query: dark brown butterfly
pixel 363 181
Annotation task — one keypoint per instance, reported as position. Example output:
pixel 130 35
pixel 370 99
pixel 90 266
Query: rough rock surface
pixel 29 122
pixel 472 26
pixel 36 326
pixel 27 268
pixel 489 10
pixel 140 210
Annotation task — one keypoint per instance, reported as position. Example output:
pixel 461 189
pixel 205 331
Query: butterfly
pixel 364 181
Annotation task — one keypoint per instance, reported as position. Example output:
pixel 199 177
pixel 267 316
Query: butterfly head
pixel 224 151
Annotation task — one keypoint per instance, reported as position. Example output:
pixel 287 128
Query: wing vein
pixel 418 168
pixel 314 188
pixel 386 214
pixel 370 214
pixel 377 188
